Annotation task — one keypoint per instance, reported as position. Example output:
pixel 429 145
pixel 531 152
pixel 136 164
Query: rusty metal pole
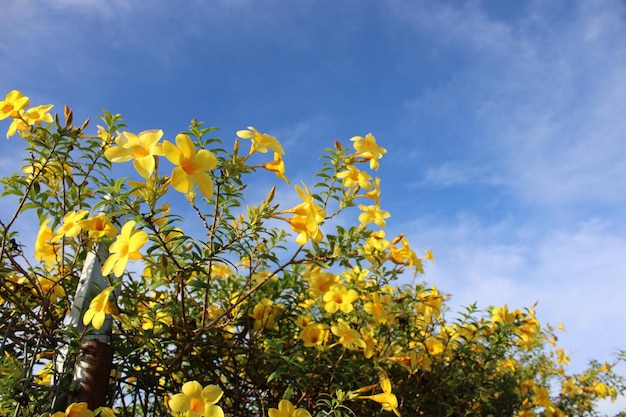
pixel 92 366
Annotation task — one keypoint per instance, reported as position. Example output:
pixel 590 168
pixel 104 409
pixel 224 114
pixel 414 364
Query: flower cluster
pixel 284 309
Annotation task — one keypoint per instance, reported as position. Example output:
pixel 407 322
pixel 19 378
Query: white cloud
pixel 576 275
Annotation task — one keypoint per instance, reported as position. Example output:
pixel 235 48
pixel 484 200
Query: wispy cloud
pixel 548 95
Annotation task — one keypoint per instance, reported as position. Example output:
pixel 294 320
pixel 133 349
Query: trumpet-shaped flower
pixel 379 309
pixel 99 307
pixel 287 409
pixel 367 148
pixel 75 410
pixel 348 337
pixel 277 166
pixel 51 288
pixel 191 165
pixel 141 148
pixel 307 217
pixel 386 399
pixel 319 281
pixel 434 346
pixel 265 314
pixel 98 226
pixel 71 225
pixel 30 117
pixel 353 177
pixel 196 401
pixel 261 142
pixel 126 247
pixel 338 297
pixel 45 248
pixel 372 214
pixel 12 104
pixel 314 334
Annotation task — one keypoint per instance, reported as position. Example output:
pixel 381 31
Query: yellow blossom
pixel 45 375
pixel 374 192
pixel 353 178
pixel 45 248
pixel 277 166
pixel 30 117
pixel 386 399
pixel 571 388
pixel 372 214
pixel 75 410
pixel 265 314
pixel 98 226
pixel 12 104
pixel 314 334
pixel 142 149
pixel 71 225
pixel 126 247
pixel 307 217
pixel 51 288
pixel 99 307
pixel 261 142
pixel 404 255
pixel 196 401
pixel 319 281
pixel 379 308
pixel 367 148
pixel 338 297
pixel 191 165
pixel 348 337
pixel 287 409
pixel 434 346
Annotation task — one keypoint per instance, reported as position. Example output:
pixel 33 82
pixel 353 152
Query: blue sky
pixel 504 121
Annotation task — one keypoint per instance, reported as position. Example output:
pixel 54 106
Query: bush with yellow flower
pixel 223 303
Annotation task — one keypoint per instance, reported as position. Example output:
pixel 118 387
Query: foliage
pixel 225 303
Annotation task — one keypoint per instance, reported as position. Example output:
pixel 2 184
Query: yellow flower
pixel 45 249
pixel 434 346
pixel 319 281
pixel 373 214
pixel 196 401
pixel 99 307
pixel 286 409
pixel 353 177
pixel 71 225
pixel 39 114
pixel 265 314
pixel 379 309
pixel 386 399
pixel 502 315
pixel 106 412
pixel 45 375
pixel 126 247
pixel 405 255
pixel 339 298
pixel 570 388
pixel 277 166
pixel 348 337
pixel 367 148
pixel 541 396
pixel 191 165
pixel 51 288
pixel 261 142
pixel 374 193
pixel 12 104
pixel 98 226
pixel 75 410
pixel 314 334
pixel 307 217
pixel 142 148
